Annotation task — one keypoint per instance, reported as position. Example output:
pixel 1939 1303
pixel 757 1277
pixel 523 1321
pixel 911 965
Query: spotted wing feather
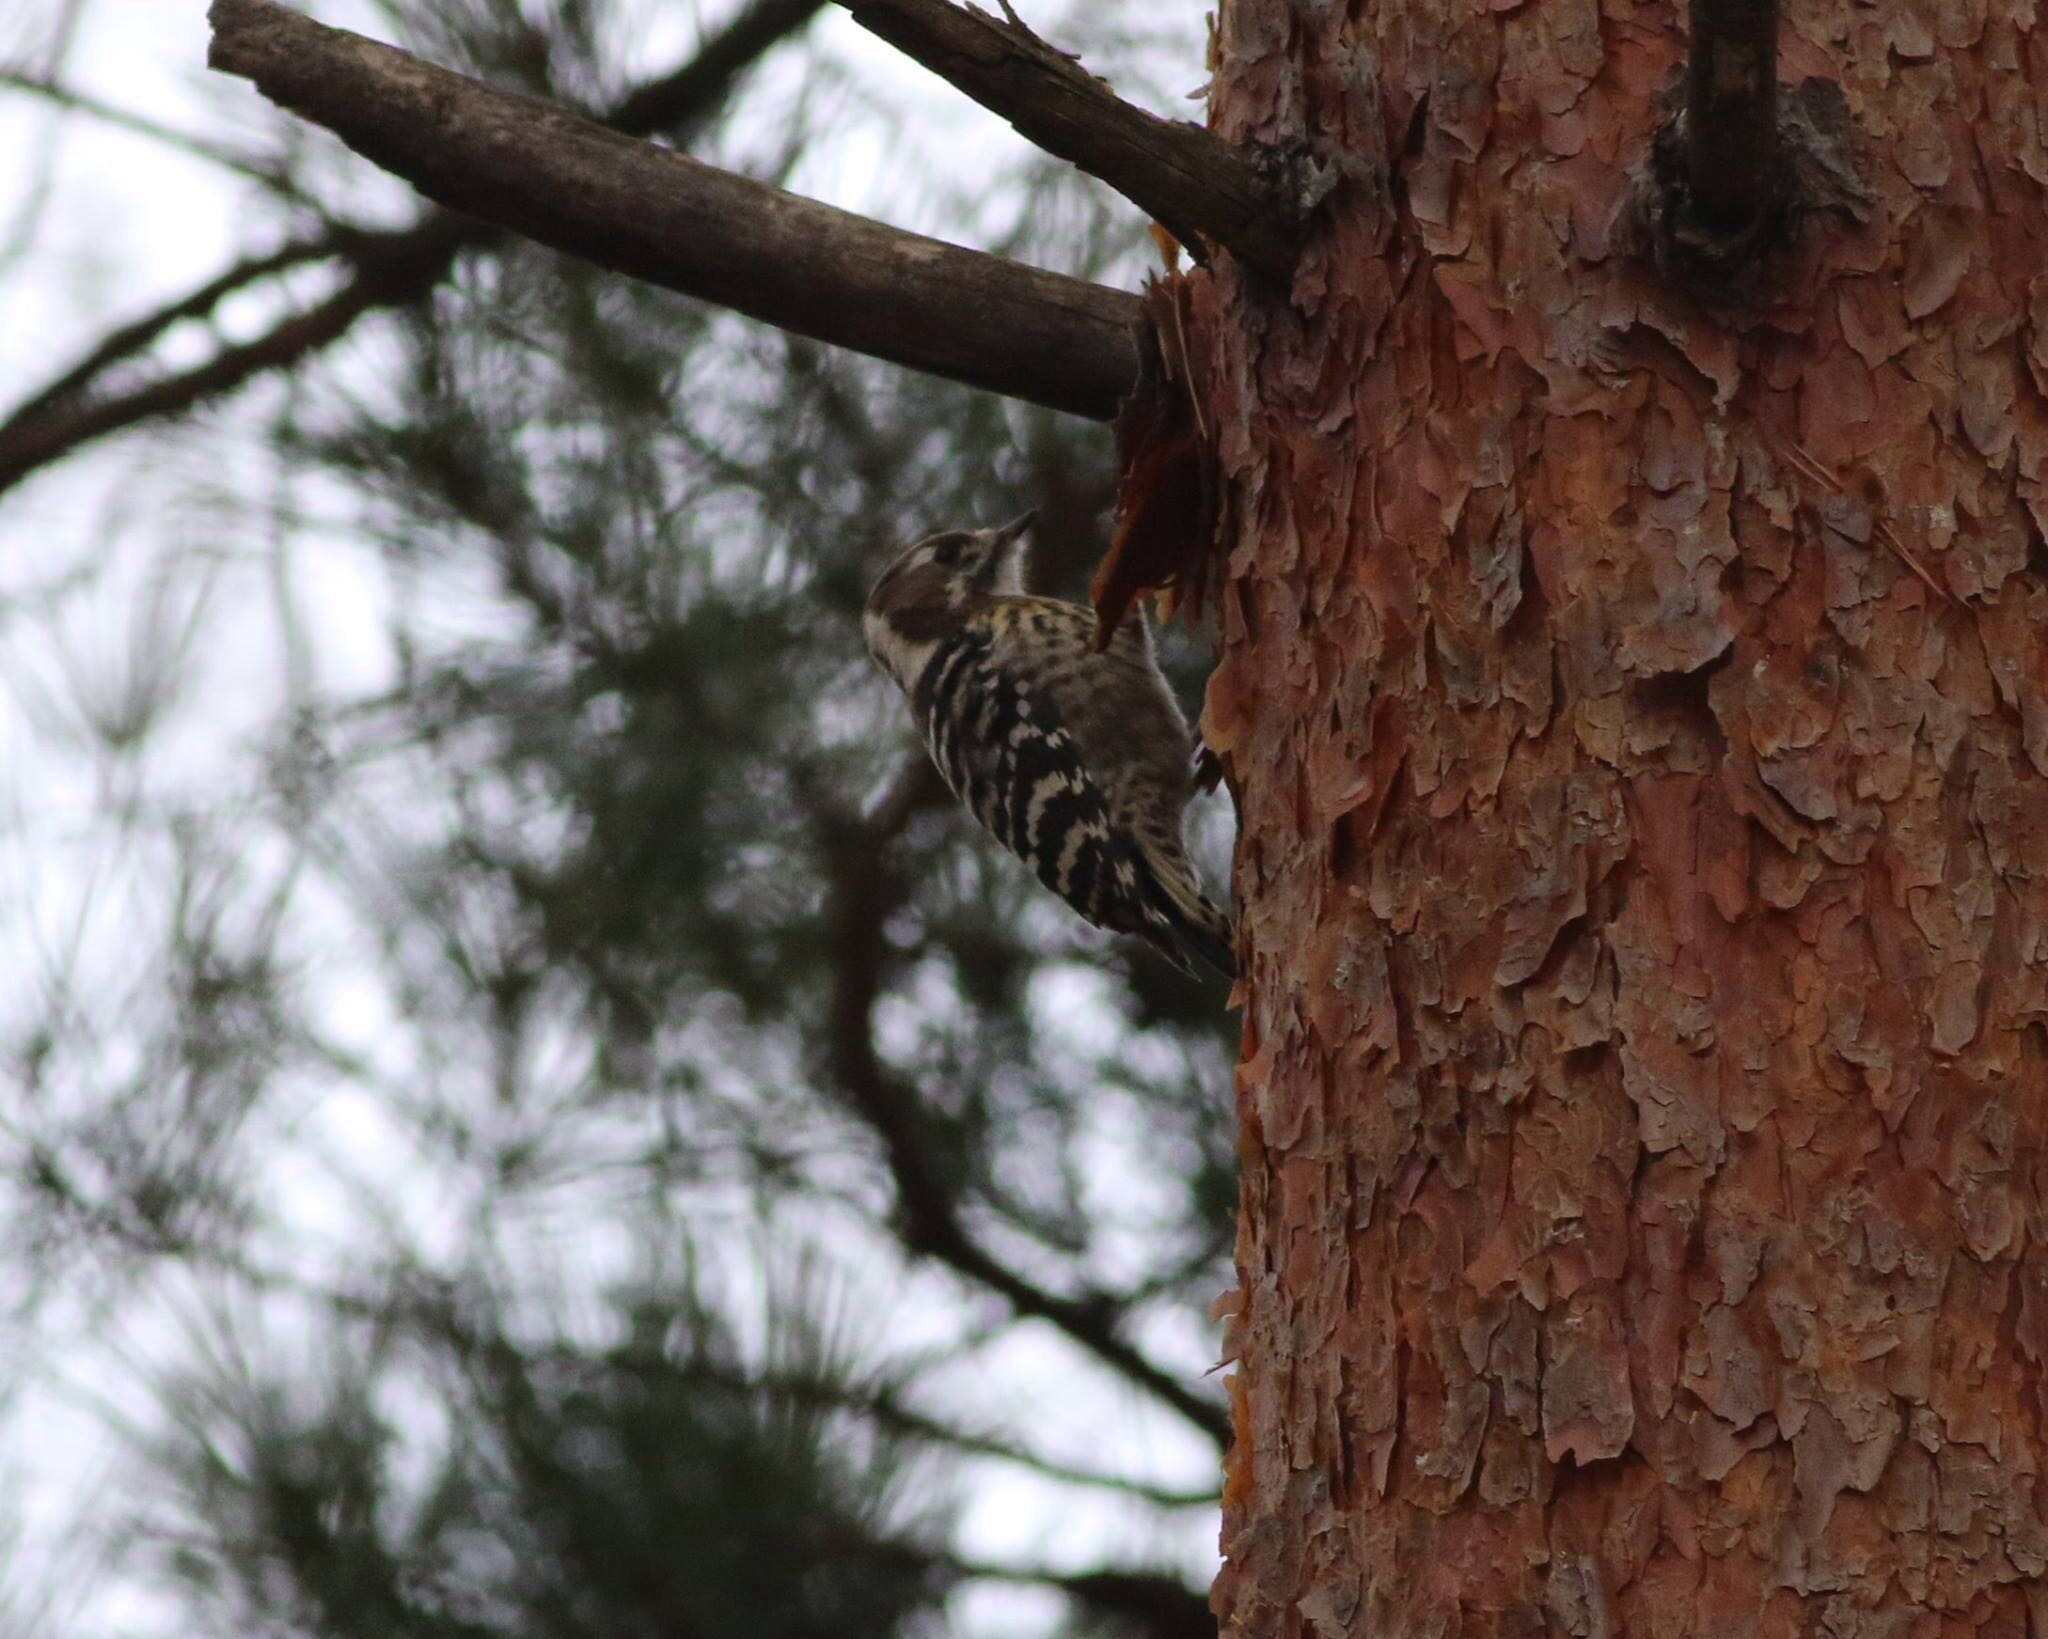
pixel 1075 762
pixel 1008 756
pixel 1131 735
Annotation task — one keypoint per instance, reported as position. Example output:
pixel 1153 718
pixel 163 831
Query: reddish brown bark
pixel 1644 872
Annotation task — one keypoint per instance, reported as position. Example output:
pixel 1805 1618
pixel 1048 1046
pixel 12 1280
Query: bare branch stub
pixel 1731 112
pixel 656 214
pixel 1202 189
pixel 1721 246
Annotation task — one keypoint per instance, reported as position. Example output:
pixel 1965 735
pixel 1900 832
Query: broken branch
pixel 658 215
pixel 1201 188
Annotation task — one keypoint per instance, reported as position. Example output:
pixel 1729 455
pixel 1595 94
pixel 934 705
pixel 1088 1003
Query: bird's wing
pixel 1115 703
pixel 1001 743
pixel 996 726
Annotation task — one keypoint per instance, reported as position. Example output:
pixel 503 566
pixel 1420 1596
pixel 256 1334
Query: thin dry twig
pixel 1798 457
pixel 169 136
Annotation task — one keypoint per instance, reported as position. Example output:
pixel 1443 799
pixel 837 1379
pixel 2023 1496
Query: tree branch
pixel 384 270
pixel 699 85
pixel 661 216
pixel 1731 111
pixel 61 417
pixel 127 340
pixel 881 1404
pixel 169 136
pixel 1198 186
pixel 1140 1604
pixel 887 1410
pixel 1144 1604
pixel 1739 162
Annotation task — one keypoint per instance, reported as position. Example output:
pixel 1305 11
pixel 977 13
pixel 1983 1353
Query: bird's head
pixel 922 594
pixel 956 563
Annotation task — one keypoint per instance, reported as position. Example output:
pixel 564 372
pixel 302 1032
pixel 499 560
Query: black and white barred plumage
pixel 1079 763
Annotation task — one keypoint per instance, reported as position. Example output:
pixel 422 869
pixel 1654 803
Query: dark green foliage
pixel 647 1489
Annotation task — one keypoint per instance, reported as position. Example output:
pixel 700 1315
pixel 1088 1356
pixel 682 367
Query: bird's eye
pixel 947 552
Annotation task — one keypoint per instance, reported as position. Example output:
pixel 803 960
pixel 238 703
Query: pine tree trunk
pixel 1644 872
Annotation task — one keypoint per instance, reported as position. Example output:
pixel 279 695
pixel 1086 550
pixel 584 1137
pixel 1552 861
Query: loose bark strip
pixel 659 215
pixel 1198 186
pixel 1731 109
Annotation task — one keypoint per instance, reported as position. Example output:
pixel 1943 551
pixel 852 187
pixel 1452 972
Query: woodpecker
pixel 1079 763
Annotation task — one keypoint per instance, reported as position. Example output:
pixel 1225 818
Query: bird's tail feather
pixel 1180 919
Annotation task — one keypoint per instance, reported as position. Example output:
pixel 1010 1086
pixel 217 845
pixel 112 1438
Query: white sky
pixel 125 223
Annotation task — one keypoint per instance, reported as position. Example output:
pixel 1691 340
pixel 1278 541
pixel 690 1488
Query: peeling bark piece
pixel 1166 488
pixel 1936 260
pixel 1588 1411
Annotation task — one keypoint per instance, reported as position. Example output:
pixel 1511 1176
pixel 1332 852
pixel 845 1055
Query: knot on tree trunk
pixel 1719 252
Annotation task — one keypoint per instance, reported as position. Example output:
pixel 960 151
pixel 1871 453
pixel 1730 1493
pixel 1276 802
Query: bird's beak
pixel 1016 526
